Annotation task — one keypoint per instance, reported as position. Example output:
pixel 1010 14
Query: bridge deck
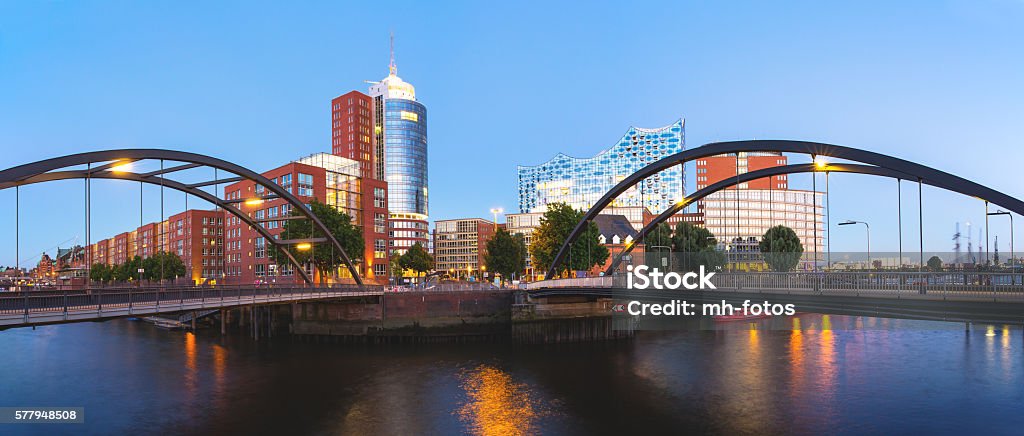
pixel 21 309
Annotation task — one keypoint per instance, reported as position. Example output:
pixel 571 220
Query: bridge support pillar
pixel 223 321
pixel 967 326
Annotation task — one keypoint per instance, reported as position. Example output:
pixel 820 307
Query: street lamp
pixel 1013 266
pixel 866 226
pixel 495 211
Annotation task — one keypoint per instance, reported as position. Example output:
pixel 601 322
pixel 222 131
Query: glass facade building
pixel 400 133
pixel 405 161
pixel 581 182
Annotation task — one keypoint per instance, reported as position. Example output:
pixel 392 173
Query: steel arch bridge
pixel 103 164
pixel 875 164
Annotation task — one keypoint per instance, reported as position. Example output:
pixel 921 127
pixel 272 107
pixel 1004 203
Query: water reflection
pixel 496 405
pixel 796 357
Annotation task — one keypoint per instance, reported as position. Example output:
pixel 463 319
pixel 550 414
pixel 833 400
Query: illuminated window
pixel 410 116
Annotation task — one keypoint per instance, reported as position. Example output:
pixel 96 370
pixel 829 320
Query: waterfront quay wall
pixel 568 319
pixel 428 316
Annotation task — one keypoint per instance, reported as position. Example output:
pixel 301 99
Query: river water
pixel 868 376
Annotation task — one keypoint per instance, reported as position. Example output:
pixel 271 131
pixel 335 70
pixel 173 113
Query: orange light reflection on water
pixel 497 405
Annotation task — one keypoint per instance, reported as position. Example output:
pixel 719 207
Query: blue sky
pixel 937 82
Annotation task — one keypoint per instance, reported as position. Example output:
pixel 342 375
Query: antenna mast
pixel 392 67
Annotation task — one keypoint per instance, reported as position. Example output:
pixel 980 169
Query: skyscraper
pixel 400 130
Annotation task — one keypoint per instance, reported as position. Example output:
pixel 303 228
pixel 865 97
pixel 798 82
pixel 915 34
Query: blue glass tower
pixel 400 132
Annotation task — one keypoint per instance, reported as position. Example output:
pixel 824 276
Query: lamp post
pixel 866 226
pixel 667 264
pixel 1013 266
pixel 495 211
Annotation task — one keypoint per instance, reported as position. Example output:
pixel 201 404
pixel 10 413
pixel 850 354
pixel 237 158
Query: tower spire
pixel 392 67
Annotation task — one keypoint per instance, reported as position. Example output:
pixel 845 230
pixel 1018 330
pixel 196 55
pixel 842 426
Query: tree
pixel 417 259
pixel 555 227
pixel 696 246
pixel 101 272
pixel 781 248
pixel 506 254
pixel 935 263
pixel 661 234
pixel 323 255
pixel 396 264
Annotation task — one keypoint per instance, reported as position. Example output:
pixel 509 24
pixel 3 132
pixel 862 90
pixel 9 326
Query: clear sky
pixel 506 83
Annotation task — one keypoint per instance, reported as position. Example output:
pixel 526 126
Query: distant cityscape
pixel 376 172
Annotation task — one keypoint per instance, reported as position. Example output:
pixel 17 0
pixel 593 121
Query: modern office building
pixel 524 224
pixel 716 168
pixel 460 246
pixel 400 132
pixel 739 217
pixel 330 179
pixel 580 182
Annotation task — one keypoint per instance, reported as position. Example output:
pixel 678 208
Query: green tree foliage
pixel 128 270
pixel 781 248
pixel 395 261
pixel 416 259
pixel 659 235
pixel 506 254
pixel 696 246
pixel 323 254
pixel 101 273
pixel 555 227
pixel 163 262
pixel 935 263
pixel 173 267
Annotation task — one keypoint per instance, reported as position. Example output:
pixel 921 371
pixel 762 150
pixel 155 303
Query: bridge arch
pixel 908 170
pixel 43 171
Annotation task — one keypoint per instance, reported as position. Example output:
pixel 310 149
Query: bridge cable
pixel 160 228
pixel 899 220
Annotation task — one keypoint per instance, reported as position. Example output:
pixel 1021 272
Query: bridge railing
pixel 946 285
pixel 152 299
pixel 960 285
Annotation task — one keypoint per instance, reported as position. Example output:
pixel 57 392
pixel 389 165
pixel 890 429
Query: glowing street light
pixel 820 162
pixel 303 246
pixel 254 202
pixel 122 168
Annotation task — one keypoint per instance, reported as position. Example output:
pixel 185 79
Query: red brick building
pixel 45 269
pixel 330 179
pixel 716 168
pixel 711 170
pixel 352 133
pixel 197 237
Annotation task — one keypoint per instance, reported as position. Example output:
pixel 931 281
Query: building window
pixel 305 185
pixel 261 247
pixel 379 198
pixel 379 223
pixel 410 116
